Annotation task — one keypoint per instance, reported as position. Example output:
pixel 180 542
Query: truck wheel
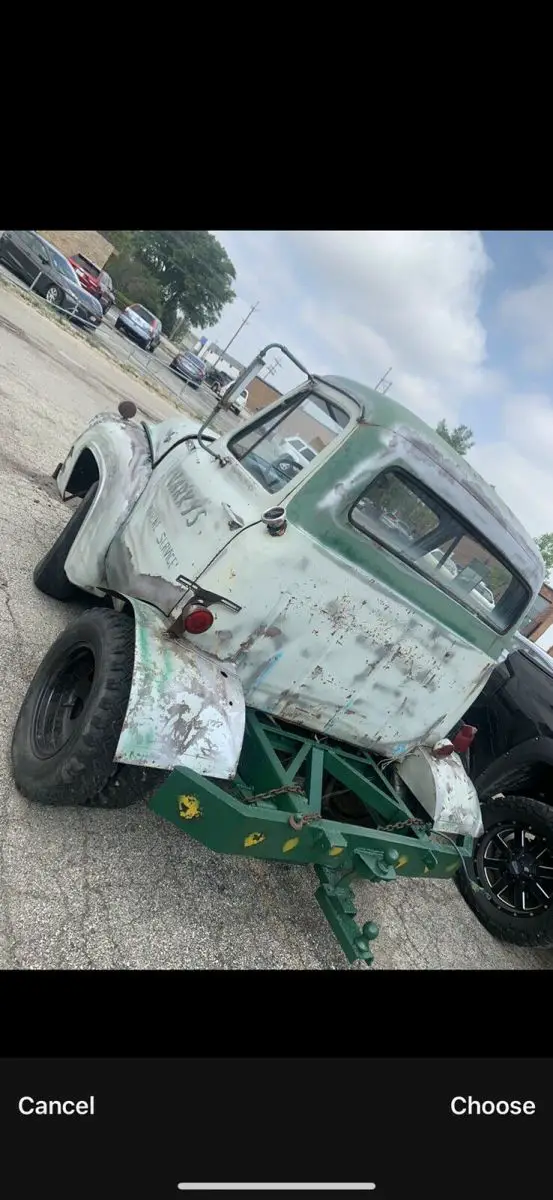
pixel 128 785
pixel 49 574
pixel 69 724
pixel 509 882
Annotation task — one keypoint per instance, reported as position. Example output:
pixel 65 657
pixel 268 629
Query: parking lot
pixel 101 889
pixel 154 368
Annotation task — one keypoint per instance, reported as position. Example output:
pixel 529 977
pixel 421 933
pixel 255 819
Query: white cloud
pixel 528 315
pixel 356 303
pixel 519 462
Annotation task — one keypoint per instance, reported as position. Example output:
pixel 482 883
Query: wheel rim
pixel 52 295
pixel 515 864
pixel 62 702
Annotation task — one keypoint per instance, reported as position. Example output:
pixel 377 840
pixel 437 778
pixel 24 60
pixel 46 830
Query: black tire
pixel 53 294
pixel 128 785
pixel 69 724
pixel 49 574
pixel 117 325
pixel 150 347
pixel 512 919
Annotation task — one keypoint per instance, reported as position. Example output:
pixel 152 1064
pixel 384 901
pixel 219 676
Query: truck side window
pixel 399 512
pixel 277 447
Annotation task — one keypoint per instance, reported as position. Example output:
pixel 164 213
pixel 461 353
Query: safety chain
pixel 298 820
pixel 409 823
pixel 279 791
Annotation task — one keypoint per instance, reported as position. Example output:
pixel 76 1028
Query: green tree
pixel 135 282
pixel 122 239
pixel 193 271
pixel 461 438
pixel 545 547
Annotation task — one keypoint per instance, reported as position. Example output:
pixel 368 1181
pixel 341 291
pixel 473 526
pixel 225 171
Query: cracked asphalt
pixel 93 889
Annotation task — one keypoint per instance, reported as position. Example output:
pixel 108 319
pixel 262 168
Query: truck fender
pixel 186 709
pixel 115 453
pixel 443 788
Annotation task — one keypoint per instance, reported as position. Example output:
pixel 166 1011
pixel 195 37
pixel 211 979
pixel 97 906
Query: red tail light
pixel 199 620
pixel 464 738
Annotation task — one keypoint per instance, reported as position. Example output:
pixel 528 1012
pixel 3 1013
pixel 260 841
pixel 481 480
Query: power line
pixel 272 368
pixel 235 335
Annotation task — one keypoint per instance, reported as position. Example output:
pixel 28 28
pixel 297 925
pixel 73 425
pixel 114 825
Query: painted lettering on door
pixel 184 494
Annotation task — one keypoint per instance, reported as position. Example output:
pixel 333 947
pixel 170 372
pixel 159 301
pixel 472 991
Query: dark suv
pixel 509 884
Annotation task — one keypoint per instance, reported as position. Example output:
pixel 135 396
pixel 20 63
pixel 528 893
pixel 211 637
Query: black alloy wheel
pixel 509 882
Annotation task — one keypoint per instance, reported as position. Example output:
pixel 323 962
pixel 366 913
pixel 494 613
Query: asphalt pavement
pixel 93 889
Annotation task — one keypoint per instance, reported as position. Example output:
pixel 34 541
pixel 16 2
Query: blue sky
pixel 463 318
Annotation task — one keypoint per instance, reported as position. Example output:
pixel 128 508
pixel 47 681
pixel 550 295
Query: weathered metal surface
pixel 120 450
pixel 185 708
pixel 323 645
pixel 450 475
pixel 163 435
pixel 335 633
pixel 181 522
pixel 445 791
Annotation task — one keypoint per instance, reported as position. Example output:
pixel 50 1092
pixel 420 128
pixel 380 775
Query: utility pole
pixel 235 335
pixel 272 368
pixel 387 385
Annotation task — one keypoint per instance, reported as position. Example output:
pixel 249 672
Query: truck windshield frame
pixel 277 469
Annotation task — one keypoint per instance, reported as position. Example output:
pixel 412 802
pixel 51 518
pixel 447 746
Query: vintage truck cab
pixel 357 599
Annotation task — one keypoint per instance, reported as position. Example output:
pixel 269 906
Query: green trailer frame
pixel 275 809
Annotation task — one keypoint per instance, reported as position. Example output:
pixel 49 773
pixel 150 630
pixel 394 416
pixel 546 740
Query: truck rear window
pixel 397 511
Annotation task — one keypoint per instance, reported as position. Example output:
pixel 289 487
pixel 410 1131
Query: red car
pixel 94 280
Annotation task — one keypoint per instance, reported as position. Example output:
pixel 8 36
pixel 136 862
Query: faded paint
pixel 184 708
pixel 445 791
pixel 122 456
pixel 335 633
pixel 165 434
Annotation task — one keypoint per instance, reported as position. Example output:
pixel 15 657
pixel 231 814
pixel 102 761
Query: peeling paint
pixel 184 710
pixel 322 640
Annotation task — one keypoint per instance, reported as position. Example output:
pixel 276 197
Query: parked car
pixel 141 325
pixel 94 279
pixel 217 380
pixel 190 367
pixel 509 882
pixel 239 402
pixel 34 259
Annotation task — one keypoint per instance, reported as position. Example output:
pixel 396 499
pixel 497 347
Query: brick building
pixel 261 394
pixel 80 241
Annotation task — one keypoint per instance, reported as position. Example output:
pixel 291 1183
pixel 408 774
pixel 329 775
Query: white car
pixel 239 402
